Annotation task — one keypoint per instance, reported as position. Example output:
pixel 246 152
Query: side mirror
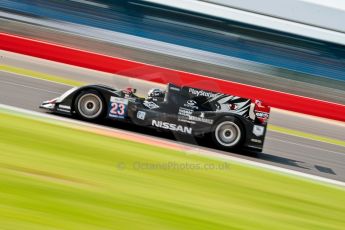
pixel 130 90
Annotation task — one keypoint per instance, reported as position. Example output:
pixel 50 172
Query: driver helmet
pixel 156 95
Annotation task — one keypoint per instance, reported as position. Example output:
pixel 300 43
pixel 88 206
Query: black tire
pixel 89 105
pixel 227 133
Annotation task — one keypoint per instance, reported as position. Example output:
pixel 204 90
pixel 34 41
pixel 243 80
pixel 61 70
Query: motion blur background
pixel 165 35
pixel 58 173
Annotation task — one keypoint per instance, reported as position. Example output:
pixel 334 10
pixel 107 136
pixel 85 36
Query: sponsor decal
pixel 256 141
pixel 191 119
pixel 261 115
pixel 184 112
pixel 258 130
pixel 150 105
pixel 174 88
pixel 119 100
pixel 191 104
pixel 141 115
pixel 201 119
pixel 63 110
pixel 65 107
pixel 117 107
pixel 200 93
pixel 186 121
pixel 172 127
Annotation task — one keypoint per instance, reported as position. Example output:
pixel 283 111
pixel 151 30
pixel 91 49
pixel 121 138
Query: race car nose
pixel 48 104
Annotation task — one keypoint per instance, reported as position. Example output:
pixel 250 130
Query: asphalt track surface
pixel 283 150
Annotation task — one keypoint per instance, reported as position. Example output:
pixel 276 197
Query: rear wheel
pixel 227 133
pixel 89 105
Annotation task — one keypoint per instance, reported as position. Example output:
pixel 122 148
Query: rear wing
pixel 261 112
pixel 221 102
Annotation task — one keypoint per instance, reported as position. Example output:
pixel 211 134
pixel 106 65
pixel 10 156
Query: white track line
pixel 29 87
pixel 305 146
pixel 35 78
pixel 189 149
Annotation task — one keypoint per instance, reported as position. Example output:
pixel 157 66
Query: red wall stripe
pixel 158 74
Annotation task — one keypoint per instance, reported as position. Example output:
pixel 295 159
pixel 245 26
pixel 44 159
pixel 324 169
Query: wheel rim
pixel 228 133
pixel 90 106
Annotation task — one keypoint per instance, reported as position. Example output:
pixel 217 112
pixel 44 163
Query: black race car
pixel 231 121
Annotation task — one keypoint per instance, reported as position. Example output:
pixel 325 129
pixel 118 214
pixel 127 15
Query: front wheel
pixel 227 133
pixel 89 105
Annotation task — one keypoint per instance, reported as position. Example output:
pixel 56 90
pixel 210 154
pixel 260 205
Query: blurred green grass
pixel 55 177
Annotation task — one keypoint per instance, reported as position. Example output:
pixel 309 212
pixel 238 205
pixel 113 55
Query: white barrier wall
pixel 312 18
pixel 328 14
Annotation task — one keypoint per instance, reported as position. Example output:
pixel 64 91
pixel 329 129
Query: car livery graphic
pixel 230 121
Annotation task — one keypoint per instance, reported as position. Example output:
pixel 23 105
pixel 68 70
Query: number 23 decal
pixel 118 108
